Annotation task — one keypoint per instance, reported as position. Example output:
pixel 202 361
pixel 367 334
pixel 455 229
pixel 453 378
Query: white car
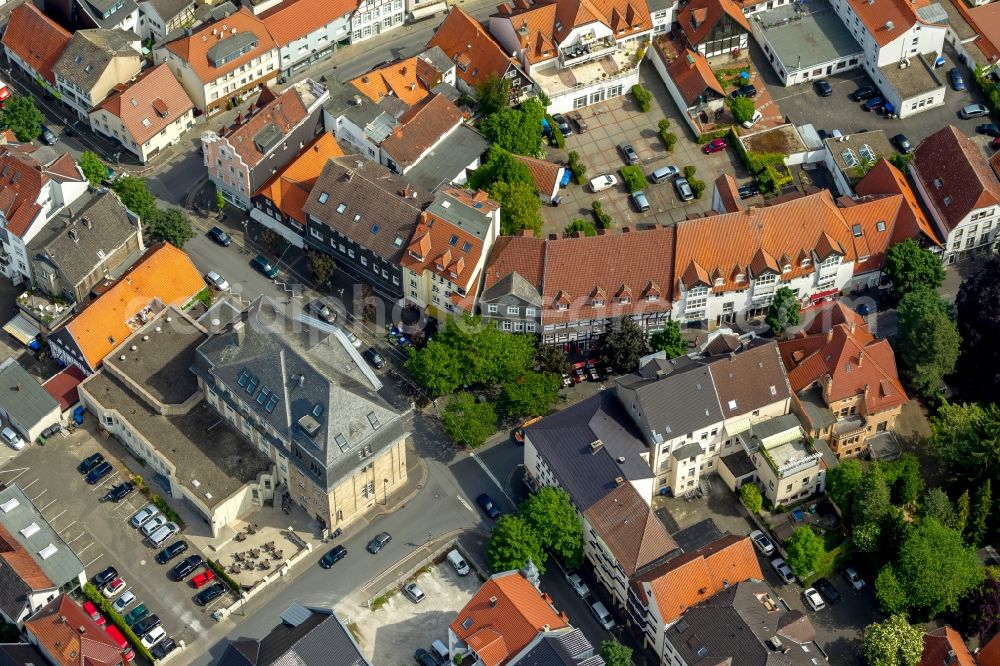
pixel 114 588
pixel 604 182
pixel 353 338
pixel 123 602
pixel 217 281
pixel 153 524
pixel 783 570
pixel 574 580
pixel 761 542
pixel 143 515
pixel 852 576
pixel 757 115
pixel 814 600
pixel 153 637
pixel 12 438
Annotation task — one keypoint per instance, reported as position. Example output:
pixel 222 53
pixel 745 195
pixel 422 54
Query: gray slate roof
pixel 111 225
pixel 21 396
pixel 13 593
pixel 675 404
pixel 20 654
pixel 168 9
pixel 62 566
pixel 447 159
pixel 514 285
pixel 564 647
pixel 89 53
pixel 564 439
pixel 95 10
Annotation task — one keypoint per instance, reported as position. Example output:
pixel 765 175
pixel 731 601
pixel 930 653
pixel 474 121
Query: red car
pixel 95 615
pixel 714 146
pixel 995 143
pixel 203 579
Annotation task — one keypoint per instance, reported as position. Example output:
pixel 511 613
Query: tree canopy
pixel 493 94
pixel 805 549
pixel 520 207
pixel 94 170
pixel 936 568
pixel 751 497
pixel 977 307
pixel 979 612
pixel 615 654
pixel 841 483
pixel 910 267
pixel 623 344
pixel 936 505
pixel 531 394
pixel 669 340
pixel 468 421
pixel 170 225
pixel 499 166
pixel 894 642
pixel 928 342
pixel 871 499
pixel 966 437
pixel 516 130
pixel 553 517
pixel 783 312
pixel 135 197
pixel 551 358
pixel 742 109
pixel 512 543
pixel 20 116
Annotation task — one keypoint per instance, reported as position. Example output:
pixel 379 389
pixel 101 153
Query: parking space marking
pixel 35 498
pixel 56 517
pixel 19 470
pixel 93 560
pixel 29 485
pixel 76 538
pixel 81 551
pixel 465 504
pixel 48 505
pixel 68 526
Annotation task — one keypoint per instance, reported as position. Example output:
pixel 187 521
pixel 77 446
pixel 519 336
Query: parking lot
pixel 99 532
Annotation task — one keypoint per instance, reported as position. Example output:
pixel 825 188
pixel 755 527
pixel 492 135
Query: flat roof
pixel 853 149
pixel 911 81
pixel 812 31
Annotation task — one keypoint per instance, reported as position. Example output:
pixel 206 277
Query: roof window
pixel 375 229
pixel 341 208
pixel 323 197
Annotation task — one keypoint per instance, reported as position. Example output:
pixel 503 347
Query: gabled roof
pixel 956 177
pixel 630 529
pixel 22 398
pixel 562 647
pixel 888 19
pixel 294 20
pixel 467 42
pixel 679 399
pixel 91 52
pixel 164 273
pixel 504 616
pixel 36 39
pixel 729 194
pixel 989 654
pixel 168 10
pixel 692 75
pixel 274 117
pixel 70 636
pixel 410 80
pixel 22 179
pixel 17 558
pixel 944 647
pixel 149 104
pixel 421 127
pixel 884 178
pixel 62 386
pixel 290 187
pixel 986 19
pixel 699 17
pixel 749 380
pixel 544 174
pixel 524 255
pixel 197 48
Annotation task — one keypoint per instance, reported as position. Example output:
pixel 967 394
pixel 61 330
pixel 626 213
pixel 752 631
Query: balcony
pixel 601 69
pixel 582 52
pixel 48 312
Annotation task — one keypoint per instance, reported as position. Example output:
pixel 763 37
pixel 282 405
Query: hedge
pixel 157 501
pixel 716 134
pixel 634 179
pixel 104 606
pixel 602 218
pixel 221 574
pixel 643 97
pixel 576 167
pixel 697 187
pixel 557 139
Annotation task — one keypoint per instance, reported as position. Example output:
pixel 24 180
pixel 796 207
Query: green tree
pixel 966 437
pixel 512 543
pixel 615 654
pixel 436 367
pixel 784 310
pixel 576 167
pixel 135 197
pixel 551 358
pixel 94 170
pixel 170 225
pixel 643 97
pixel 894 642
pixel 493 94
pixel 532 394
pixel 865 537
pixel 962 512
pixel 500 166
pixel 551 514
pixel 633 177
pixel 751 497
pixel 742 109
pixel 805 550
pixel 901 161
pixel 584 227
pixel 910 267
pixel 516 130
pixel 977 309
pixel 938 506
pixel 623 344
pixel 935 568
pixel 468 421
pixel 322 266
pixel 220 201
pixel 669 340
pixel 928 341
pixel 871 500
pixel 520 207
pixel 890 592
pixel 842 482
pixel 980 515
pixel 909 481
pixel 19 115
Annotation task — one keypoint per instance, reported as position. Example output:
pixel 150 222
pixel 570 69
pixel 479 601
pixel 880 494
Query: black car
pixel 89 463
pixel 902 143
pixel 823 88
pixel 748 90
pixel 335 555
pixel 424 658
pixel 210 594
pixel 827 589
pixel 186 567
pixel 562 124
pixel 378 543
pixel 220 236
pixel 120 492
pixel 989 129
pixel 146 625
pixel 488 506
pixel 863 93
pixel 171 551
pixel 373 357
pixel 99 472
pixel 749 190
pixel 163 648
pixel 102 578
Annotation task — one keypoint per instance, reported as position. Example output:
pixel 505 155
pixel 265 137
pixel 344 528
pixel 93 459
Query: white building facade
pixel 373 17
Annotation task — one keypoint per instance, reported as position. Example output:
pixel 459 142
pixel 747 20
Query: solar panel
pixel 272 403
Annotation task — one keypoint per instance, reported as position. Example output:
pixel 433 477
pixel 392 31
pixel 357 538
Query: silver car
pixel 684 191
pixel 153 524
pixel 414 592
pixel 217 281
pixel 974 111
pixel 143 515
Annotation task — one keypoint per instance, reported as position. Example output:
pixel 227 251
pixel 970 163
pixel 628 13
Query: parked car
pixel 163 648
pixel 98 473
pixel 748 90
pixel 995 143
pixel 143 515
pixel 185 567
pixel 157 538
pixel 374 358
pixel 48 137
pixel 814 599
pixel 783 570
pixel 864 309
pixel 353 339
pixel 955 77
pixel 104 576
pixel 628 153
pixel 114 588
pixel 574 580
pixel 153 637
pixel 827 589
pixel 974 111
pixel 714 146
pixel 602 614
pixel 488 506
pixel 203 579
pixel 12 438
pixel 216 280
pixel 153 524
pixel 852 576
pixel 562 124
pixel 336 554
pixel 902 144
pixel 319 309
pixel 581 124
pixel 603 182
pixel 123 602
pixel 90 609
pixel 378 543
pixel 989 129
pixel 220 236
pixel 120 641
pixel 413 591
pixel 873 104
pixel 756 118
pixel 664 173
pixel 261 264
pixel 146 624
pixel 171 551
pixel 424 658
pixel 458 562
pixel 135 614
pixel 761 542
pixel 640 201
pixel 748 190
pixel 684 191
pixel 823 88
pixel 89 463
pixel 863 93
pixel 120 492
pixel 546 128
pixel 210 594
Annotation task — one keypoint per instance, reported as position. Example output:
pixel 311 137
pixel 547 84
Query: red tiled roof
pixel 21 183
pixel 692 75
pixel 943 643
pixel 989 654
pixel 419 128
pixel 966 180
pixel 289 188
pixel 410 80
pixel 729 193
pixel 22 562
pixel 884 178
pixel 284 111
pixel 986 19
pixel 148 104
pixel 524 255
pixel 706 13
pixel 36 39
pixel 70 636
pixel 544 174
pixel 878 16
pixel 63 386
pixel 193 49
pixel 504 616
pixel 293 20
pixel 629 528
pixel 467 42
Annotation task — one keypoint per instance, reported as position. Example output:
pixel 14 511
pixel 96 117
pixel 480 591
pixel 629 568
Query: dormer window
pixel 805 262
pixel 625 300
pixel 562 306
pixel 598 303
pixel 740 277
pixel 787 268
pixel 652 297
pixel 938 183
pixel 439 267
pixel 719 281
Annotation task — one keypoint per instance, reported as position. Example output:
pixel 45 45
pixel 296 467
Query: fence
pixel 432 557
pixel 223 612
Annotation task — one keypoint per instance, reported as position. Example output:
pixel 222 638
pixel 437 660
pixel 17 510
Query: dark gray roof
pixel 79 239
pixel 436 56
pixel 681 402
pixel 515 285
pixel 819 414
pixel 90 52
pixel 21 654
pixel 689 450
pixel 308 378
pixel 231 47
pixel 564 441
pixel 168 9
pixel 735 625
pixel 448 159
pixel 13 593
pixel 695 537
pixel 739 464
pixel 95 9
pixel 564 647
pixel 22 397
pixel 367 194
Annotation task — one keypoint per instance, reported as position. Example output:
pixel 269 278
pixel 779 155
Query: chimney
pixel 596 445
pixel 868 389
pixel 619 480
pixel 72 234
pixel 62 618
pixel 17 387
pixel 829 335
pixel 82 629
pixel 85 221
pixel 827 387
pixel 626 230
pixel 493 602
pixel 950 658
pixel 861 357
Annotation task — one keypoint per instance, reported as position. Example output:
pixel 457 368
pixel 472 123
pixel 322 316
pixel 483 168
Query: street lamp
pixel 385 492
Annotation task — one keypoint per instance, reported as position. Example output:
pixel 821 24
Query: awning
pixel 736 427
pixel 22 329
pixel 429 10
pixel 820 295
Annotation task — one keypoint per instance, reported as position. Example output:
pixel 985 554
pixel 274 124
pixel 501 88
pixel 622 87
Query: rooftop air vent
pixel 309 425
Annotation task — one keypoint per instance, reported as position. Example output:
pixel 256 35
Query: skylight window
pixel 398 242
pixel 340 208
pixel 880 225
pixel 856 230
pixel 244 378
pixel 145 122
pixel 373 419
pixel 10 505
pixel 271 404
pixel 30 529
pixel 252 385
pixel 466 246
pixel 342 442
pixel 324 196
pixel 453 241
pixel 47 552
pixel 375 229
pixel 262 396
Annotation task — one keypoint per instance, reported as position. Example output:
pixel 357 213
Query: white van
pixel 603 616
pixel 157 538
pixel 440 651
pixel 456 560
pixel 601 183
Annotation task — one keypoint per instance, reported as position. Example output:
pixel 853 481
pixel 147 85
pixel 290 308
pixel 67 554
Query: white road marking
pixel 80 552
pixel 48 505
pixel 77 537
pixel 94 560
pixel 35 498
pixel 466 504
pixel 54 519
pixel 29 485
pixel 68 526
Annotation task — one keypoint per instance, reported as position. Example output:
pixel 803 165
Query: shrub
pixel 221 574
pixel 717 134
pixel 577 168
pixel 690 171
pixel 742 109
pixel 697 187
pixel 663 125
pixel 634 179
pixel 104 605
pixel 669 141
pixel 587 228
pixel 643 97
pixel 557 139
pixel 751 498
pixel 603 219
pixel 165 509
